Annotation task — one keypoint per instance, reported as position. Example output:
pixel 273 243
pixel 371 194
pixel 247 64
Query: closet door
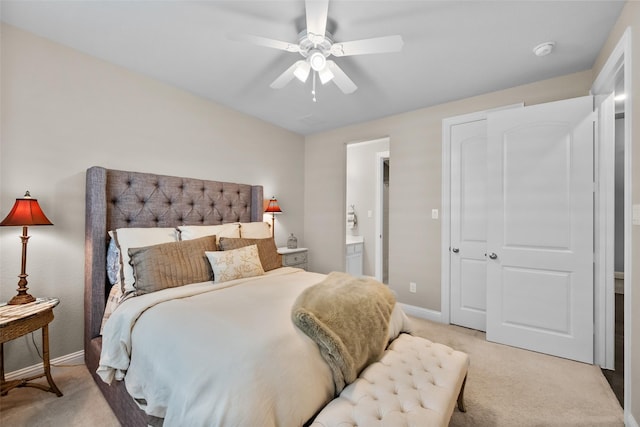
pixel 469 224
pixel 540 228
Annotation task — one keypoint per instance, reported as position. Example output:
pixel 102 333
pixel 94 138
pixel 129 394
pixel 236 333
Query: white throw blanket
pixel 231 357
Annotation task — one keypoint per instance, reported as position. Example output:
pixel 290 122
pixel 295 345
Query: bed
pixel 266 372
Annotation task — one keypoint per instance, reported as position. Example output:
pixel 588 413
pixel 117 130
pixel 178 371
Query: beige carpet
pixel 506 387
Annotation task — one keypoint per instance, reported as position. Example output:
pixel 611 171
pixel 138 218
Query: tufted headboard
pixel 120 199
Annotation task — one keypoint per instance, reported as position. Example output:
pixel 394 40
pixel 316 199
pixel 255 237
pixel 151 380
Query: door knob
pixel 493 255
pixel 455 250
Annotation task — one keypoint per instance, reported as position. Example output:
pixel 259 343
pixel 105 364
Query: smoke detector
pixel 544 49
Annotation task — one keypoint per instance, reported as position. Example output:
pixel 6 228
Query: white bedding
pixel 235 357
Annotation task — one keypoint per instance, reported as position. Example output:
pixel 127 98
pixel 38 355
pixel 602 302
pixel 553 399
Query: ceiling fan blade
pixel 316 17
pixel 341 80
pixel 266 42
pixel 284 78
pixel 368 46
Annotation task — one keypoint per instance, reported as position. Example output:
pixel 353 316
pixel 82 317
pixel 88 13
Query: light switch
pixel 434 213
pixel 635 216
pixel 370 214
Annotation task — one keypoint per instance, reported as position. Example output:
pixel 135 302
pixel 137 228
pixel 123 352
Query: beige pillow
pixel 171 264
pixel 190 232
pixel 254 230
pixel 235 264
pixel 135 238
pixel 267 250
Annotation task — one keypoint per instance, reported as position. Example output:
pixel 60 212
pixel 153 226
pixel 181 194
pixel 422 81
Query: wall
pixel 416 153
pixel 630 17
pixel 64 111
pixel 361 192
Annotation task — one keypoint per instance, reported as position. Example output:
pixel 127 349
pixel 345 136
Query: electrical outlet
pixel 434 213
pixel 412 287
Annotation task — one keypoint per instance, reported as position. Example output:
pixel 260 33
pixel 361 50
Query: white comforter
pixel 220 355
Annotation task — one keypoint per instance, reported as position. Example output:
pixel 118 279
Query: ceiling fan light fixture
pixel 317 60
pixel 325 75
pixel 302 71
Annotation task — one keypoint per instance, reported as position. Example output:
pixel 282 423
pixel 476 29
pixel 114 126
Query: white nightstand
pixel 294 257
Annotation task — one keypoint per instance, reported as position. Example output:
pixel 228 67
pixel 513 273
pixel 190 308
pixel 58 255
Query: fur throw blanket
pixel 348 318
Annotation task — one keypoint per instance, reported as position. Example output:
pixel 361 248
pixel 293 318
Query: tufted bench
pixel 416 383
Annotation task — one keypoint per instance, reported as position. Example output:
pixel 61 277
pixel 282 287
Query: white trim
pixel 76 358
pixel 445 224
pixel 621 57
pixel 379 255
pixel 422 313
pixel 629 421
pixel 604 219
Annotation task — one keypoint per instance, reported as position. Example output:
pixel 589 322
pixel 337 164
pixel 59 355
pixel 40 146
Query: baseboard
pixel 423 313
pixel 618 275
pixel 629 420
pixel 76 358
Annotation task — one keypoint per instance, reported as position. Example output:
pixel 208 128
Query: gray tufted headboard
pixel 119 199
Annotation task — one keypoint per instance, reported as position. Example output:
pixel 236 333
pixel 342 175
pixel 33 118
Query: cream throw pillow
pixel 235 264
pixel 254 230
pixel 190 232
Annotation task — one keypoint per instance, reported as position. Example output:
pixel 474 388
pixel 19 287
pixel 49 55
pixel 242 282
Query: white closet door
pixel 540 228
pixel 469 224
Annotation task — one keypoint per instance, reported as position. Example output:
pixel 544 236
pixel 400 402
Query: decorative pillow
pixel 113 262
pixel 135 238
pixel 189 232
pixel 267 250
pixel 113 301
pixel 169 265
pixel 254 230
pixel 235 264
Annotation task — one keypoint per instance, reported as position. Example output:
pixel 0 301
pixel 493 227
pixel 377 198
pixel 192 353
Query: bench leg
pixel 461 406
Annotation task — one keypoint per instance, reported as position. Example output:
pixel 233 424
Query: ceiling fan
pixel 316 45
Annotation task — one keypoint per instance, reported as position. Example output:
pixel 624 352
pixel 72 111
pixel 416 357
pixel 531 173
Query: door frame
pixel 620 59
pixel 445 225
pixel 379 252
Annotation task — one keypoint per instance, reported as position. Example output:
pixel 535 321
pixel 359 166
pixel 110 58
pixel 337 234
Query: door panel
pixel 540 228
pixel 468 224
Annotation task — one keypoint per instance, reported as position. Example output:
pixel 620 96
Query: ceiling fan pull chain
pixel 313 91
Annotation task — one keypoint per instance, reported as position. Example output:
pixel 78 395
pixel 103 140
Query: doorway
pixel 367 202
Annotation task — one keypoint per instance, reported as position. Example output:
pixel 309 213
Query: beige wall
pixel 62 112
pixel 416 153
pixel 630 17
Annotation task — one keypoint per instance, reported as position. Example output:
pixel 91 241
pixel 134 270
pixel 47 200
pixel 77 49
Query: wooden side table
pixel 19 320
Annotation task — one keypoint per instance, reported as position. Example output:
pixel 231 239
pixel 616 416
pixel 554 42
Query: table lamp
pixel 273 209
pixel 26 211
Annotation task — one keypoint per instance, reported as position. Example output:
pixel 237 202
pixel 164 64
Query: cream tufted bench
pixel 416 383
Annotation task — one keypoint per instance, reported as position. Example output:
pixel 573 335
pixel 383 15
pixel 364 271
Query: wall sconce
pixel 273 208
pixel 25 212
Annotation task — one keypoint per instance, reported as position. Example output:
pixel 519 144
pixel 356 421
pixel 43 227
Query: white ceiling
pixel 452 49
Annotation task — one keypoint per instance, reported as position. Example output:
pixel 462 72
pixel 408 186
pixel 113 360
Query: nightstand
pixel 19 320
pixel 294 257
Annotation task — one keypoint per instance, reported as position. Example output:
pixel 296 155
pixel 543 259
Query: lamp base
pixel 21 298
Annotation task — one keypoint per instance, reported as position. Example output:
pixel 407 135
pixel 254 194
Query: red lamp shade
pixel 26 212
pixel 273 206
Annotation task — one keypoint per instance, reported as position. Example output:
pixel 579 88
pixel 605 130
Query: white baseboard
pixel 629 420
pixel 76 358
pixel 423 313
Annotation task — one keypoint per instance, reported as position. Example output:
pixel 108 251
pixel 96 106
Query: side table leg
pixel 45 360
pixel 4 393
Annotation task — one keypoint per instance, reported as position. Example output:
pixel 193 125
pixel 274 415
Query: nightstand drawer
pixel 294 259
